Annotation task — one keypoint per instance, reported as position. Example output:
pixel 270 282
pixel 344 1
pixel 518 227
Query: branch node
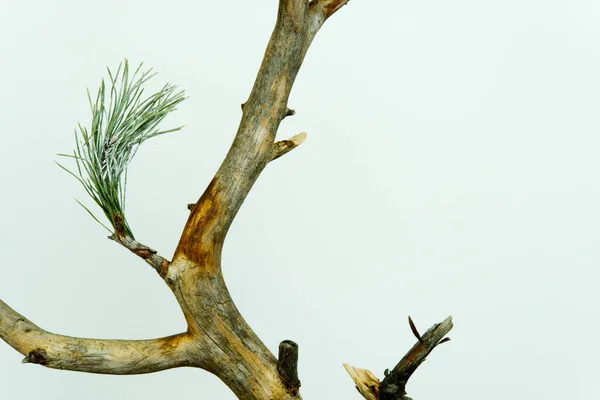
pixel 287 365
pixel 119 226
pixel 327 7
pixel 191 206
pixel 37 356
pixel 289 112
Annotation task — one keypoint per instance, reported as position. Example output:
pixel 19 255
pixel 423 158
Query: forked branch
pixel 217 339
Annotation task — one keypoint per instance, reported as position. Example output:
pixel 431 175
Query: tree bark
pixel 218 339
pixel 115 357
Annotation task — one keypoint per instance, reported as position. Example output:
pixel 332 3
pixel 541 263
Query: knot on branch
pixel 37 356
pixel 287 365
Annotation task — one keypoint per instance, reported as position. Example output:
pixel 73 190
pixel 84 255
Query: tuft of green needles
pixel 122 119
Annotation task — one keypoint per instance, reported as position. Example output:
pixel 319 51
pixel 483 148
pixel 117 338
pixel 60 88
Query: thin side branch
pixel 115 357
pixel 284 146
pixel 148 254
pixel 393 386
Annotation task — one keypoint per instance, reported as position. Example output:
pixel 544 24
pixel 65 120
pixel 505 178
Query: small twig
pixel 414 330
pixel 289 112
pixel 149 255
pixel 393 386
pixel 287 365
pixel 284 146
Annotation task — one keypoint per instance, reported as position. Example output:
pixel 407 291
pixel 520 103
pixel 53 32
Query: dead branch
pixel 393 386
pixel 115 357
pixel 218 339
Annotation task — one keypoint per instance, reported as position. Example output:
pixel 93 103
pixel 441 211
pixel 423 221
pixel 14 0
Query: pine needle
pixel 122 119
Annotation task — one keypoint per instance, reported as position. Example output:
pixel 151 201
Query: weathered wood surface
pixel 217 339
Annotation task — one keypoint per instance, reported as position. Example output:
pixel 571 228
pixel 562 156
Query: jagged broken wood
pixel 217 338
pixel 284 146
pixel 365 382
pixel 393 386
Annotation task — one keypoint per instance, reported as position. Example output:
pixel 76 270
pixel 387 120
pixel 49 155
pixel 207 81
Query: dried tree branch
pixel 246 366
pixel 149 255
pixel 287 364
pixel 393 386
pixel 284 146
pixel 116 357
pixel 218 339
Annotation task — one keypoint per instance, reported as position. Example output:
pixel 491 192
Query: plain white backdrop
pixel 451 167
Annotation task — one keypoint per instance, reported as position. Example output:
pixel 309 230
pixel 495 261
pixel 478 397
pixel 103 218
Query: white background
pixel 451 167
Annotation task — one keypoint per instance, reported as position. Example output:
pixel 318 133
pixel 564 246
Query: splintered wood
pixel 366 382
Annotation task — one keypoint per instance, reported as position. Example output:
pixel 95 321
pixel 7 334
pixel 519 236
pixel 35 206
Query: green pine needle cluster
pixel 122 119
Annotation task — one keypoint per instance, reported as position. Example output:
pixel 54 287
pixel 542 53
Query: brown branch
pixel 284 146
pixel 115 357
pixel 242 361
pixel 146 253
pixel 393 386
pixel 149 255
pixel 287 364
